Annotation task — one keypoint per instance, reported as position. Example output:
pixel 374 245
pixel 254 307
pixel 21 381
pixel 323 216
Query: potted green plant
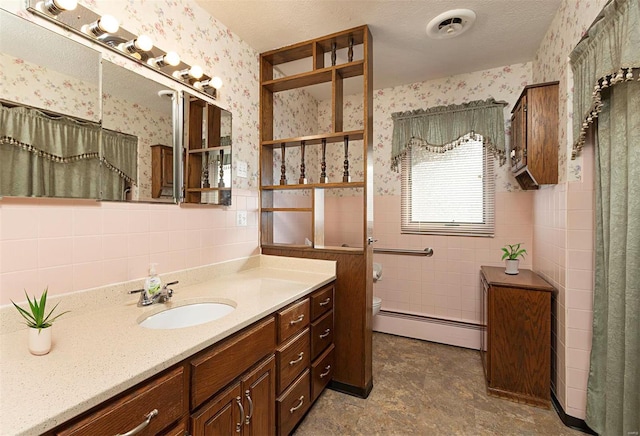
pixel 510 255
pixel 39 323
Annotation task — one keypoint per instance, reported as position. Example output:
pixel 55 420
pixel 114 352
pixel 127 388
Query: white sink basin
pixel 187 315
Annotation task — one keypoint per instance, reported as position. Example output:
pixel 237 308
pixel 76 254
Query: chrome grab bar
pixel 426 252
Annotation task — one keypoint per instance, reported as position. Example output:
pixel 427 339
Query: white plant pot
pixel 511 266
pixel 39 341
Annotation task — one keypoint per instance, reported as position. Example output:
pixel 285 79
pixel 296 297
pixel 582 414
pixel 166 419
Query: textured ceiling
pixel 505 31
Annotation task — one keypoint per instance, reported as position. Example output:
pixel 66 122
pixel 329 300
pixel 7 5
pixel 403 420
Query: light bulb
pixel 108 23
pixel 105 24
pixel 172 58
pixel 141 43
pixel 216 82
pixel 196 71
pixel 55 7
pixel 144 43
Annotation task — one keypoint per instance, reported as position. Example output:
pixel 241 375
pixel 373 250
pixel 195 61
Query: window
pixel 450 193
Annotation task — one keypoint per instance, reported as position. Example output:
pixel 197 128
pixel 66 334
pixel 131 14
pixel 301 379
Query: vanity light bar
pixel 106 31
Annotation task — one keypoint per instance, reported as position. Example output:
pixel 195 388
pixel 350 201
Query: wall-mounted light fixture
pixel 105 30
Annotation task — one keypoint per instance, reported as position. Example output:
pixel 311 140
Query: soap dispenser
pixel 153 283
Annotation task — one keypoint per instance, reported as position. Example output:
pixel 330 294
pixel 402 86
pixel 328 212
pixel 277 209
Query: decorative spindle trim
pixel 221 170
pixel 350 52
pixel 333 54
pixel 346 177
pixel 323 164
pixel 303 177
pixel 283 167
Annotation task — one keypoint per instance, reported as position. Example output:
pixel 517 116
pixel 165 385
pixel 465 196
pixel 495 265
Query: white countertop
pixel 104 352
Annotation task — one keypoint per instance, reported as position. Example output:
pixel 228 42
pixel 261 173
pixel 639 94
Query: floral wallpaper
pixel 552 63
pixel 34 85
pixel 502 83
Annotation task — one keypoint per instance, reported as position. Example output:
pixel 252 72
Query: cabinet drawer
pixel 293 404
pixel 321 334
pixel 322 372
pixel 214 369
pixel 292 358
pixel 321 301
pixel 293 319
pixel 165 394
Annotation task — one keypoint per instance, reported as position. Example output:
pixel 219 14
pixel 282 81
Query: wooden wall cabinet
pixel 354 286
pixel 534 136
pixel 516 337
pixel 161 171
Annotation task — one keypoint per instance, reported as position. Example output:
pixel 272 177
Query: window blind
pixel 449 193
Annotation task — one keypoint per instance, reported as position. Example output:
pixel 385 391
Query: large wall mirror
pixel 50 113
pixel 136 141
pixel 138 136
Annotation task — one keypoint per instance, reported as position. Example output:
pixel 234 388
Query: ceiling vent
pixel 451 23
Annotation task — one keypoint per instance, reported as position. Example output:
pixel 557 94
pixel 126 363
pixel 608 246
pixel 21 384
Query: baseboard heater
pixel 429 328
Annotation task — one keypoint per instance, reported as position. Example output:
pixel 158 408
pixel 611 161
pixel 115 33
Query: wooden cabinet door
pixel 223 415
pixel 519 134
pixel 259 391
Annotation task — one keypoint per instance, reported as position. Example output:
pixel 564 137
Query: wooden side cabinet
pixel 161 171
pixel 534 136
pixel 516 339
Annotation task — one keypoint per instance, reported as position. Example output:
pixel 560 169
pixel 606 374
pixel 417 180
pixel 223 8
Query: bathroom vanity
pixel 255 371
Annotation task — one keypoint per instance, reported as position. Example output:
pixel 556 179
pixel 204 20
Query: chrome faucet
pixel 162 296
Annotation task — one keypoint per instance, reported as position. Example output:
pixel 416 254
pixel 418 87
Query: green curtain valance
pixel 443 128
pixel 609 54
pixel 60 139
pixel 120 154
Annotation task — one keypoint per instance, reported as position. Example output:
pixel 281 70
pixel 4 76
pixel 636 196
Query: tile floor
pixel 424 388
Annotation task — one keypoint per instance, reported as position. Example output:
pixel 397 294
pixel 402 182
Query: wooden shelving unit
pixel 206 148
pixel 354 286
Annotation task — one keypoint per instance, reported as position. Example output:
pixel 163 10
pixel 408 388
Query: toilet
pixel 377 303
pixel 377 275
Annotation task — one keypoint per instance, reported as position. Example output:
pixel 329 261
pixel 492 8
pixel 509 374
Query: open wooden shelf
pixel 323 75
pixel 353 135
pixel 208 149
pixel 314 186
pixel 286 209
pixel 354 285
pixel 322 45
pixel 207 189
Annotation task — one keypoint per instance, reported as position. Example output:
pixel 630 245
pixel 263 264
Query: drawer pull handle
pixel 325 334
pixel 250 415
pixel 239 424
pixel 325 302
pixel 143 425
pixel 300 403
pixel 326 372
pixel 299 359
pixel 297 320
